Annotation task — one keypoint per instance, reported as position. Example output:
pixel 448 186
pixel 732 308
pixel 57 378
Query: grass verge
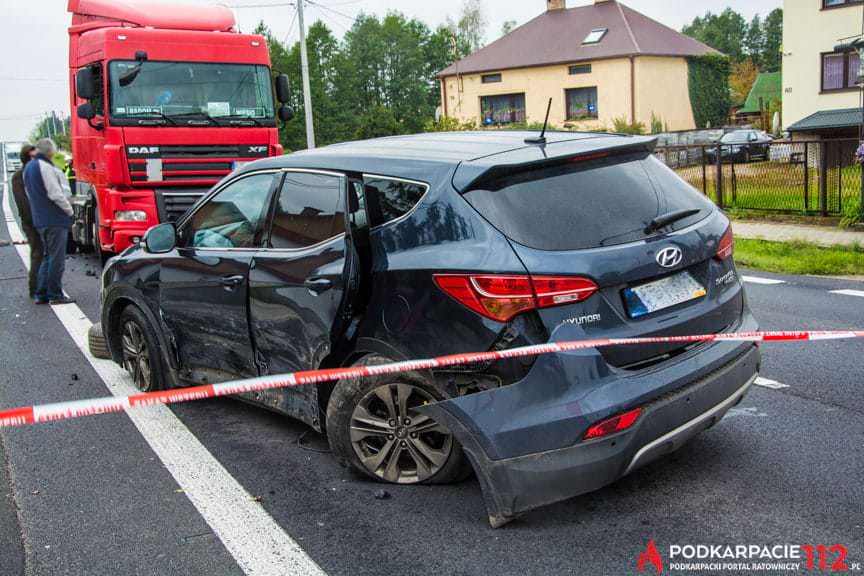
pixel 799 257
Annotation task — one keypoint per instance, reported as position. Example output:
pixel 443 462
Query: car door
pixel 204 286
pixel 300 283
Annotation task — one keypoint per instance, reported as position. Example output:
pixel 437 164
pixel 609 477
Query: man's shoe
pixel 40 301
pixel 63 300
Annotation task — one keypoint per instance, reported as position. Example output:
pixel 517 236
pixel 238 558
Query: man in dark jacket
pixel 30 232
pixel 48 193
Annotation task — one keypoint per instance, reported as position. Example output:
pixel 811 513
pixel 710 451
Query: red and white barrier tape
pixel 79 408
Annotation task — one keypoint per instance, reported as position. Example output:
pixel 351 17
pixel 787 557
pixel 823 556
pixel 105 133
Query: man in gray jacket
pixel 48 193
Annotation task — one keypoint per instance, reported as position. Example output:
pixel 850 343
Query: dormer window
pixel 595 36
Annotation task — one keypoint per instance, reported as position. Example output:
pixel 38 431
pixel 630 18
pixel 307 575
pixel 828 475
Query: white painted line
pixel 858 293
pixel 258 544
pixel 764 281
pixel 772 384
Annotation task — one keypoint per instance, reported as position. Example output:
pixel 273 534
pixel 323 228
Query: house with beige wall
pixel 820 91
pixel 598 62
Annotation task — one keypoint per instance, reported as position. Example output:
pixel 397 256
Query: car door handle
pixel 232 281
pixel 318 285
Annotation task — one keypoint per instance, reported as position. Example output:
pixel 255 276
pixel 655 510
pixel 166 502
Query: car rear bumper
pixel 515 484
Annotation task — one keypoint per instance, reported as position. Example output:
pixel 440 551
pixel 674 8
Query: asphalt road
pixel 90 496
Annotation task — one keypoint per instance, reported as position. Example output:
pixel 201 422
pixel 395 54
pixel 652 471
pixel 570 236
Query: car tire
pixel 142 355
pixel 415 450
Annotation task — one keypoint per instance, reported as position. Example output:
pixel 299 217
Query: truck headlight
pixel 130 215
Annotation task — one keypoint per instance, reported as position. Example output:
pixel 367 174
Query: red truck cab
pixel 166 100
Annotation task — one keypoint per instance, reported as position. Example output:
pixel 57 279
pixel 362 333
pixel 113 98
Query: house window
pixel 503 109
pixel 835 3
pixel 582 103
pixel 490 78
pixel 580 69
pixel 595 36
pixel 839 71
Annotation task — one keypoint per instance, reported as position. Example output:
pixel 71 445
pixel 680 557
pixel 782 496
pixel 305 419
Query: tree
pixel 742 76
pixel 725 32
pixel 754 43
pixel 470 29
pixel 772 57
pixel 508 27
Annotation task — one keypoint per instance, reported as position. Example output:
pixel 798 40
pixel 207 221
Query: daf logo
pixel 670 257
pixel 143 149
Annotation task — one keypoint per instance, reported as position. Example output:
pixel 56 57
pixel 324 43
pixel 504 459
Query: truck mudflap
pixel 528 452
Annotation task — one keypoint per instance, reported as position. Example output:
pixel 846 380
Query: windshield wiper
pixel 158 115
pixel 237 119
pixel 666 219
pixel 202 115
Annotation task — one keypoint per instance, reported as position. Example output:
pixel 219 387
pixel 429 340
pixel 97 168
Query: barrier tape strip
pixel 79 408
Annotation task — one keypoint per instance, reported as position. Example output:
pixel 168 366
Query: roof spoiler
pixel 469 173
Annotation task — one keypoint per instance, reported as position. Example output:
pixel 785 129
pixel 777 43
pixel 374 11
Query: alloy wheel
pixel 136 355
pixel 395 442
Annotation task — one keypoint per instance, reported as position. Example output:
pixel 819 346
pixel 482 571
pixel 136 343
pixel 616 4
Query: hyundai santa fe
pixel 419 246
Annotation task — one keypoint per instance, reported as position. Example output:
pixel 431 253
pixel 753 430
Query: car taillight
pixel 726 248
pixel 502 297
pixel 613 424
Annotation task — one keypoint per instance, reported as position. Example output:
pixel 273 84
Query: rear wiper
pixel 666 219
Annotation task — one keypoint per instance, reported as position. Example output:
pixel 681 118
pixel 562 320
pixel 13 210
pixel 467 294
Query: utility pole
pixel 304 69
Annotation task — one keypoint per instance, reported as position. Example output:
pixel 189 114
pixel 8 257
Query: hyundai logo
pixel 670 257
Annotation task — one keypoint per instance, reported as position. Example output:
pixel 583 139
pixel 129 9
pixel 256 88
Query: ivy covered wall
pixel 708 77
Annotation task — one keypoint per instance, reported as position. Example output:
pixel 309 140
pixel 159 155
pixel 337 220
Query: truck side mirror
pixel 85 84
pixel 286 113
pixel 283 88
pixel 86 111
pixel 160 239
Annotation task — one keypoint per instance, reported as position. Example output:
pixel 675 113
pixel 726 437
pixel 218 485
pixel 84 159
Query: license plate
pixel 662 294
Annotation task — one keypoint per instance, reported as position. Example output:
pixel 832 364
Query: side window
pixel 98 80
pixel 232 218
pixel 310 210
pixel 390 199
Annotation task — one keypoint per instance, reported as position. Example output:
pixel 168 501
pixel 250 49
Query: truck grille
pixel 173 204
pixel 188 165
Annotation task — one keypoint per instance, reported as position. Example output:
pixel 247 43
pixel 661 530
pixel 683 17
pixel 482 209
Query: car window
pixel 310 209
pixel 232 218
pixel 734 137
pixel 391 199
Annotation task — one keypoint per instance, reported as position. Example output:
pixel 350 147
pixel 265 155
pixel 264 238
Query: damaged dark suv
pixel 420 246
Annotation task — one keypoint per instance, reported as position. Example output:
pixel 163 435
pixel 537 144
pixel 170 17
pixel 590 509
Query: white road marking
pixel 764 281
pixel 772 384
pixel 257 543
pixel 858 293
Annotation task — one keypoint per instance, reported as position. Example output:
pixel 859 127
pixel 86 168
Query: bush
pixel 623 126
pixel 656 124
pixel 449 124
pixel 708 80
pixel 378 122
pixel 851 214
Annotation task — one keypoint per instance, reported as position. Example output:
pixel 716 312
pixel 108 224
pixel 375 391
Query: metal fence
pixel 817 177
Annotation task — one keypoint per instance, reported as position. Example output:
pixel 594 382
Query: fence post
pixel 719 176
pixel 823 179
pixel 705 173
pixel 806 177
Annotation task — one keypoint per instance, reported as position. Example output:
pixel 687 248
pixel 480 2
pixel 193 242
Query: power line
pixel 19 79
pixel 290 30
pixel 273 5
pixel 332 10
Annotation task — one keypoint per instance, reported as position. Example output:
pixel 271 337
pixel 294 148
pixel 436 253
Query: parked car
pixel 741 146
pixel 418 246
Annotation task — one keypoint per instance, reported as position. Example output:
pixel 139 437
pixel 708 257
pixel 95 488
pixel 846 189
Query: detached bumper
pixel 526 481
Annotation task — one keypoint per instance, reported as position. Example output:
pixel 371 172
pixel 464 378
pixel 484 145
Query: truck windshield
pixel 191 91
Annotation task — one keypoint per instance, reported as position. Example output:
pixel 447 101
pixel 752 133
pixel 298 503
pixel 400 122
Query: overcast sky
pixel 34 47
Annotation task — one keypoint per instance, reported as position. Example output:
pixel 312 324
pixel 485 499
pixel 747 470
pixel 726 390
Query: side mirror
pixel 86 111
pixel 85 84
pixel 283 88
pixel 286 113
pixel 160 239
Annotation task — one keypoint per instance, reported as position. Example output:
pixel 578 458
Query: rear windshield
pixel 586 204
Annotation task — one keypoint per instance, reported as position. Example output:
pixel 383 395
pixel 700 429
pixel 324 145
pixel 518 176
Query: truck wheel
pixel 374 429
pixel 142 356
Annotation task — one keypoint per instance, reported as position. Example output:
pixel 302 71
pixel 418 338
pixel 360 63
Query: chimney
pixel 555 5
